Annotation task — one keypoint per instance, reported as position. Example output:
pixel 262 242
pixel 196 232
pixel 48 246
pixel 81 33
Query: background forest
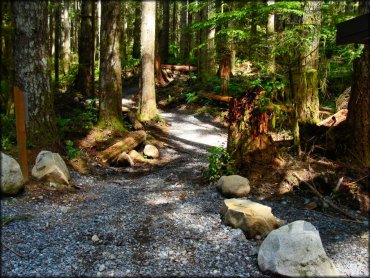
pixel 270 71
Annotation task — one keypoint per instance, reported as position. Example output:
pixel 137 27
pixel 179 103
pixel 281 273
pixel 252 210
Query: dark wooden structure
pixel 355 30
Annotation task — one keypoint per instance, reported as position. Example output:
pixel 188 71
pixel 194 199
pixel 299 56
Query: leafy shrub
pixel 191 98
pixel 220 163
pixel 8 132
pixel 72 151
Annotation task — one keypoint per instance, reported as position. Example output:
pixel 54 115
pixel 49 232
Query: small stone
pixel 64 209
pixel 284 202
pixel 95 238
pixel 258 237
pixel 101 267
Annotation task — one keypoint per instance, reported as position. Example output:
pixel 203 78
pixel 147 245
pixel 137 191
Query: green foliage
pixel 8 131
pixel 5 94
pixel 220 163
pixel 79 120
pixel 72 151
pixel 130 62
pixel 191 97
pixel 170 98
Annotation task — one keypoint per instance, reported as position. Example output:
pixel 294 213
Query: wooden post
pixel 20 113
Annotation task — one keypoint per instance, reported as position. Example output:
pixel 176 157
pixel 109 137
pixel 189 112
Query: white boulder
pixel 295 250
pixel 233 186
pixel 254 219
pixel 51 167
pixel 12 180
pixel 151 151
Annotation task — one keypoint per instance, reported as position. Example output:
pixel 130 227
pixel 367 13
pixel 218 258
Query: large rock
pixel 254 219
pixel 233 186
pixel 295 250
pixel 151 151
pixel 51 167
pixel 11 175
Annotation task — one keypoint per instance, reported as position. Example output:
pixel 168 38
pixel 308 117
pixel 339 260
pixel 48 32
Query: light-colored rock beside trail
pixel 151 151
pixel 51 167
pixel 295 250
pixel 233 186
pixel 136 156
pixel 253 218
pixel 11 175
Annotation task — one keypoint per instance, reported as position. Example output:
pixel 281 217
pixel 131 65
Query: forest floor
pixel 158 220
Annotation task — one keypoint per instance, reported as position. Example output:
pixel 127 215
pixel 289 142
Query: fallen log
pixel 216 97
pixel 323 199
pixel 336 119
pixel 179 67
pixel 130 141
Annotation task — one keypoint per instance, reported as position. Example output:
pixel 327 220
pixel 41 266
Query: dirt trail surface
pixel 165 222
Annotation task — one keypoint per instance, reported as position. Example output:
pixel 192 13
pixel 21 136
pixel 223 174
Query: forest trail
pixel 162 222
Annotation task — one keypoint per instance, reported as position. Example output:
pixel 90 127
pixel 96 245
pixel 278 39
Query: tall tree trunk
pixel 30 69
pixel 174 22
pixel 77 26
pixel 97 36
pixel 270 33
pixel 85 51
pixel 147 105
pixel 207 61
pixel 66 38
pixel 358 119
pixel 184 35
pixel 110 67
pixel 165 32
pixel 305 80
pixel 51 29
pixel 137 26
pixel 57 43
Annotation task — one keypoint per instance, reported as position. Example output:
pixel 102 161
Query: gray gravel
pixel 162 223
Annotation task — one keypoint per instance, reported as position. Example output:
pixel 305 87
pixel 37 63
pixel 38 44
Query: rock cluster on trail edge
pixel 295 250
pixel 255 219
pixel 11 175
pixel 233 186
pixel 51 167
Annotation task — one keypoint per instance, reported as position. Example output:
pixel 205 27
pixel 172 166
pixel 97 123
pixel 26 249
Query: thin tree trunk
pixel 98 24
pixel 66 38
pixel 165 32
pixel 137 24
pixel 270 33
pixel 184 35
pixel 30 69
pixel 147 105
pixel 110 67
pixel 174 22
pixel 84 79
pixel 57 43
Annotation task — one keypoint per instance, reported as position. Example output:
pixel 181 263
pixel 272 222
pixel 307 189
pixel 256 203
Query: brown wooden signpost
pixel 20 114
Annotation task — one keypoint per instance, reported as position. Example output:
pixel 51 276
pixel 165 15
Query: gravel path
pixel 162 223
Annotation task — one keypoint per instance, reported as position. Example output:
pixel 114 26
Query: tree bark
pixel 66 38
pixel 270 32
pixel 147 104
pixel 165 33
pixel 305 79
pixel 184 35
pixel 137 24
pixel 110 80
pixel 85 49
pixel 57 43
pixel 30 69
pixel 358 119
pixel 207 62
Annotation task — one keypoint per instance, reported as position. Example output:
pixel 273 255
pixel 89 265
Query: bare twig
pixel 314 190
pixel 11 250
